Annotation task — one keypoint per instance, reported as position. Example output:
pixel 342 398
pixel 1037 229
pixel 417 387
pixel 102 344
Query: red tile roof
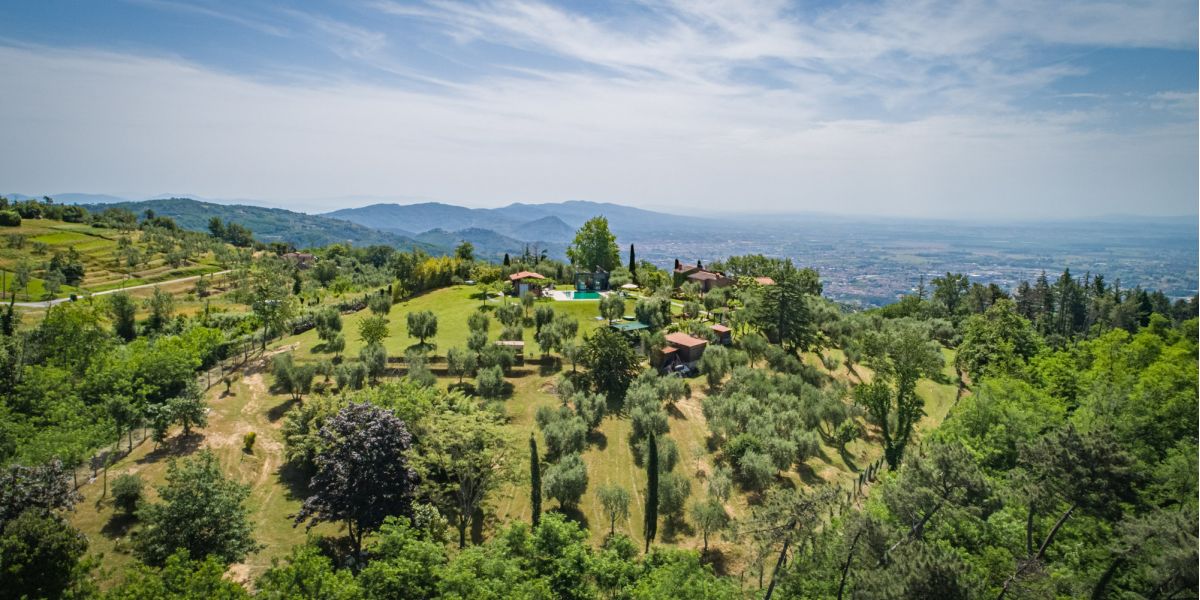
pixel 765 280
pixel 684 340
pixel 702 275
pixel 720 328
pixel 525 275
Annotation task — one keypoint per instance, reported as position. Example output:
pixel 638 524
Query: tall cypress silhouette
pixel 632 263
pixel 535 481
pixel 650 527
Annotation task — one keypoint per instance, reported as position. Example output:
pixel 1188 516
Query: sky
pixel 917 108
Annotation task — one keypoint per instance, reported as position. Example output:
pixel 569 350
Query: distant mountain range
pixel 551 222
pixel 434 227
pixel 270 224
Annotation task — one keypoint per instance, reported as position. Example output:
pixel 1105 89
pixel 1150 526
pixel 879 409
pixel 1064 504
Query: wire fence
pixel 96 466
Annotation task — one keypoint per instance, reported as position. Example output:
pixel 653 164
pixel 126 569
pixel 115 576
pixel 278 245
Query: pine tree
pixel 535 481
pixel 650 527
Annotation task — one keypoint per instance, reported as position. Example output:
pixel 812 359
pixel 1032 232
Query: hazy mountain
pixel 550 229
pixel 488 244
pixel 71 198
pixel 420 218
pixel 517 220
pixel 272 224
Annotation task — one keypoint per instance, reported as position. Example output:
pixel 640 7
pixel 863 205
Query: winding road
pixel 56 301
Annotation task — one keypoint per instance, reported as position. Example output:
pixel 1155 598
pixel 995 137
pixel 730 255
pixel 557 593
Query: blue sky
pixel 974 108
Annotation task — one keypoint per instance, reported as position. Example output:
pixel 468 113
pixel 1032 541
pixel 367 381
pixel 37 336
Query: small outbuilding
pixel 723 333
pixel 524 282
pixel 687 349
pixel 517 347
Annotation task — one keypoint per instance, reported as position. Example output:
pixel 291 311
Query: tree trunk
pixel 462 534
pixel 779 564
pixel 1054 531
pixel 1100 590
pixel 846 565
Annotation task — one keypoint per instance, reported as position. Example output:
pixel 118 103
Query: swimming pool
pixel 574 295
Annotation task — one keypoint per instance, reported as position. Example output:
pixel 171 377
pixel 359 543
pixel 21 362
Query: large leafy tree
pixel 362 472
pixel 199 511
pixel 594 246
pixel 998 342
pixel 464 457
pixel 179 577
pixel 306 573
pixel 44 488
pixel 422 325
pixel 612 362
pixel 783 311
pixel 901 354
pixel 40 556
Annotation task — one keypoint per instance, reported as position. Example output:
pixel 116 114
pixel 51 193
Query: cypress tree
pixel 535 481
pixel 632 263
pixel 507 262
pixel 650 527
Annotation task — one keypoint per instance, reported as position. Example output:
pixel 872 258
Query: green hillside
pixel 109 258
pixel 271 224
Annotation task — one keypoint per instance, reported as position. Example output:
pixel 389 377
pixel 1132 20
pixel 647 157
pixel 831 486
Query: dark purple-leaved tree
pixel 362 473
pixel 44 488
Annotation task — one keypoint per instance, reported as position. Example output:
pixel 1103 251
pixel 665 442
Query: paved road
pixel 49 303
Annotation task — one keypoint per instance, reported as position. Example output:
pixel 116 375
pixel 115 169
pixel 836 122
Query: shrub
pixel 9 218
pixel 248 441
pixel 566 481
pixel 490 383
pixel 127 492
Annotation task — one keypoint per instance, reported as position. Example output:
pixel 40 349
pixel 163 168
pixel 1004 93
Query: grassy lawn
pixel 248 407
pixel 252 407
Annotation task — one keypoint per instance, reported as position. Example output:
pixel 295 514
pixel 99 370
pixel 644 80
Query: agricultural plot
pixel 106 264
pixel 254 405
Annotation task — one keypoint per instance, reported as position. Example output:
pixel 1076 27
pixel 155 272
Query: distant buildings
pixel 302 260
pixel 707 280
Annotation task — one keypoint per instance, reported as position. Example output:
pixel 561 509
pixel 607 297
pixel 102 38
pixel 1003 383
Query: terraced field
pixel 36 241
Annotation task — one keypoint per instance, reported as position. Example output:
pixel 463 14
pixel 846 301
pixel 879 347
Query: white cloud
pixel 667 115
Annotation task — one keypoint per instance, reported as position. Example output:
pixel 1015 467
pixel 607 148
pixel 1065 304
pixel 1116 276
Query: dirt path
pixel 57 301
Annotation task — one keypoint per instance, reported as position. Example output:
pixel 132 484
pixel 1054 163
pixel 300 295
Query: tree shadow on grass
pixel 674 528
pixel 808 475
pixel 572 513
pixel 716 559
pixel 548 366
pixel 466 387
pixel 597 438
pixel 276 412
pixel 118 525
pixel 180 445
pixel 848 459
pixel 294 480
pixel 675 412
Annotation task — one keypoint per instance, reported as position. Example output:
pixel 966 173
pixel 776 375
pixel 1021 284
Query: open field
pixel 252 406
